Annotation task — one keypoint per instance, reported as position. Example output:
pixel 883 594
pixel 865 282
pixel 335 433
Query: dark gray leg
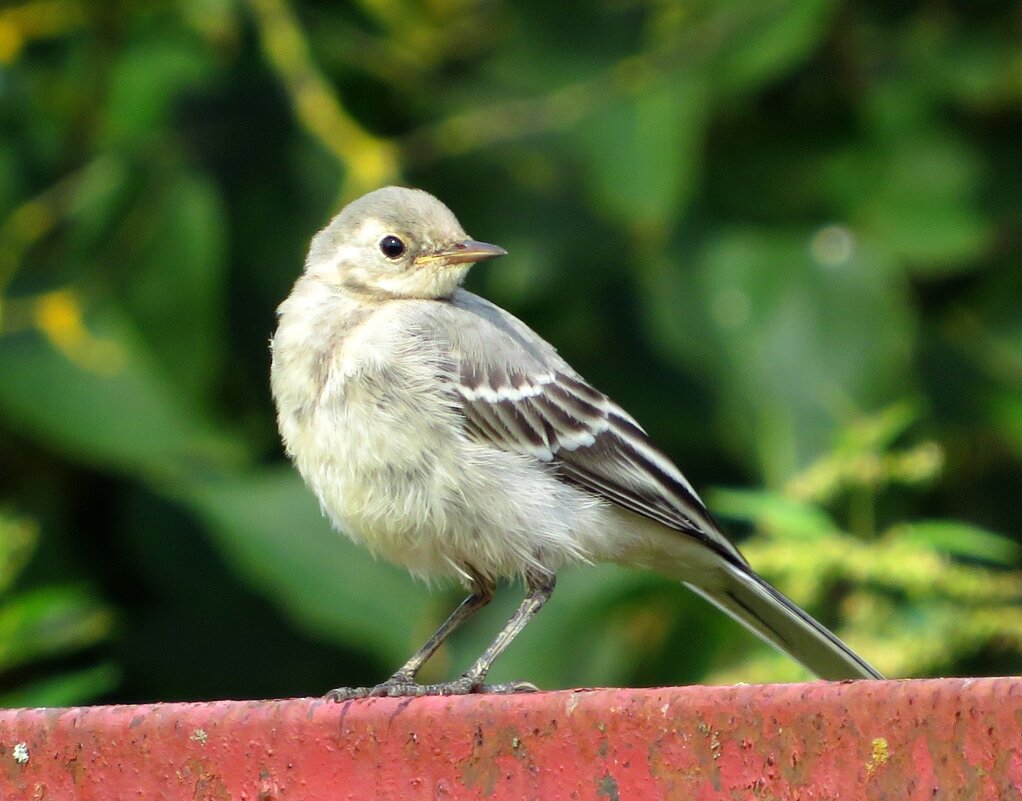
pixel 402 683
pixel 539 593
pixel 404 678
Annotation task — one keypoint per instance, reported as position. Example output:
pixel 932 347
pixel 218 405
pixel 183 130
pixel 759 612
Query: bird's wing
pixel 518 395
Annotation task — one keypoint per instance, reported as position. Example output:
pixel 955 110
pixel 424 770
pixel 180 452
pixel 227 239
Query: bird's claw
pixel 404 687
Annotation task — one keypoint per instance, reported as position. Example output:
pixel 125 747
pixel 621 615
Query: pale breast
pixel 374 426
pixel 367 418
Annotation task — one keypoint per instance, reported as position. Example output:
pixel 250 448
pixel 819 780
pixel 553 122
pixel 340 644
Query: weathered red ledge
pixel 898 740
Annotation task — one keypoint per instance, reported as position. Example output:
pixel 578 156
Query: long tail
pixel 762 609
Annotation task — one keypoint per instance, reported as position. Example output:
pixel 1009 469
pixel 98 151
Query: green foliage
pixel 656 136
pixel 268 524
pixel 919 595
pixel 783 234
pixel 41 626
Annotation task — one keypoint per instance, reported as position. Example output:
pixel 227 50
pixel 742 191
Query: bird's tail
pixel 766 612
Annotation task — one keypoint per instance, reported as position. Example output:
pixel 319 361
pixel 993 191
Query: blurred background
pixel 787 236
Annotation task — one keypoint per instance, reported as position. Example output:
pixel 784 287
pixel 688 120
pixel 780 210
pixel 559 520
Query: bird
pixel 446 436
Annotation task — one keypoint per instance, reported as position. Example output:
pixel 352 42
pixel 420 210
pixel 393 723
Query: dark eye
pixel 392 247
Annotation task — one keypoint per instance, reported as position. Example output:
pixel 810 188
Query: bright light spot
pixel 832 246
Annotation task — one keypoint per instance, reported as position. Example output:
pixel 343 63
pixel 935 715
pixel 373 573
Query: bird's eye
pixel 392 247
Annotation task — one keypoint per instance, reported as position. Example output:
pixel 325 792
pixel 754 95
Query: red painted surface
pixel 903 741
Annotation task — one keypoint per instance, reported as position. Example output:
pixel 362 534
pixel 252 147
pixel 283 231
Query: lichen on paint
pixel 20 753
pixel 608 788
pixel 199 736
pixel 481 770
pixel 879 754
pixel 714 735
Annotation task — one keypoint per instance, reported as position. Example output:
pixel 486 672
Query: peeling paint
pixel 205 781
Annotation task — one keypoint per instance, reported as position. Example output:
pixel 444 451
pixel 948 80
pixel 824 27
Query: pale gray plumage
pixel 445 435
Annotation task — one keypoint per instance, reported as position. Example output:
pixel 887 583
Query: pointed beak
pixel 468 251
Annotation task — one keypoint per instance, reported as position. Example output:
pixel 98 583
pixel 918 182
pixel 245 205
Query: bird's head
pixel 396 242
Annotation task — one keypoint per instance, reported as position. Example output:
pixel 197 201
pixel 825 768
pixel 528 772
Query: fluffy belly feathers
pixel 404 497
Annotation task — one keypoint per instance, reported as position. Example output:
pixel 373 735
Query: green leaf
pixel 268 526
pixel 18 537
pixel 180 266
pixel 960 539
pixel 642 153
pixel 913 196
pixel 9 184
pixel 778 319
pixel 66 689
pixel 150 75
pixel 105 400
pixel 783 517
pixel 877 432
pixel 1004 409
pixel 50 622
pixel 759 41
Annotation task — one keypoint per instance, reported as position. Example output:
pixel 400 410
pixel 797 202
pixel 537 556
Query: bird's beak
pixel 468 251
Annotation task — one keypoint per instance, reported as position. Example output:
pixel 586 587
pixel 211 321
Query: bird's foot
pixel 401 686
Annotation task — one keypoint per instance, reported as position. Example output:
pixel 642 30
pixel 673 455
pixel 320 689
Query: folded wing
pixel 555 416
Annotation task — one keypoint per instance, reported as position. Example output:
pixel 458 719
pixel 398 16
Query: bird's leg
pixel 403 681
pixel 540 590
pixel 477 600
